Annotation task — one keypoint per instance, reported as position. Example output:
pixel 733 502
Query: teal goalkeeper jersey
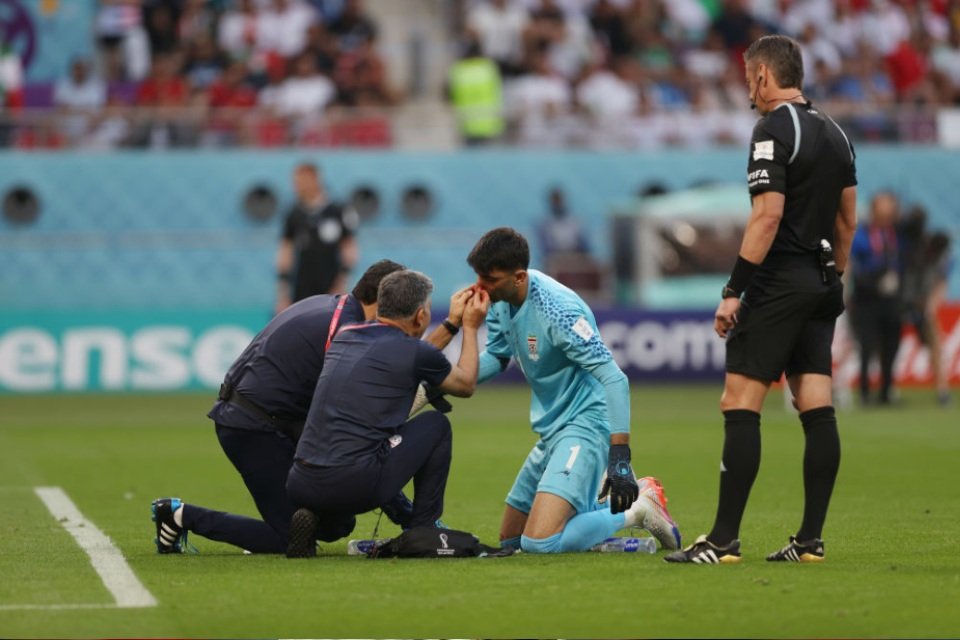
pixel 554 338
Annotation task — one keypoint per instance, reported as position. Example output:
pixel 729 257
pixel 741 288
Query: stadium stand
pixel 571 68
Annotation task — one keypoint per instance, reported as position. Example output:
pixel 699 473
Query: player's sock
pixel 585 530
pixel 541 545
pixel 738 470
pixel 510 543
pixel 821 460
pixel 582 532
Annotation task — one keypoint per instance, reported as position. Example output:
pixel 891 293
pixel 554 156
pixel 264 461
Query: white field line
pixel 53 607
pixel 107 561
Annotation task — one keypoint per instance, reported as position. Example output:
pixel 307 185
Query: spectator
pixel 163 98
pixel 609 94
pixel 237 30
pixel 304 94
pixel 204 63
pixel 734 24
pixel 845 30
pixel 946 63
pixel 11 81
pixel 567 40
pixel 361 77
pixel 124 44
pixel 498 26
pixel 538 102
pixel 886 26
pixel 196 21
pixel 709 62
pixel 318 247
pixel 109 128
pixel 908 67
pixel 821 59
pixel 79 96
pixel 322 45
pixel 160 19
pixel 282 28
pixel 474 86
pixel 876 265
pixel 610 28
pixel 228 97
pixel 353 27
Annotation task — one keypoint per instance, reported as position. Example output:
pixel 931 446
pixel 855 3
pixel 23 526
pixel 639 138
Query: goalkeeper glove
pixel 620 483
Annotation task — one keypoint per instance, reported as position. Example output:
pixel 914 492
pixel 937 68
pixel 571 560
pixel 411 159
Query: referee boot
pixel 702 551
pixel 303 534
pixel 796 551
pixel 171 536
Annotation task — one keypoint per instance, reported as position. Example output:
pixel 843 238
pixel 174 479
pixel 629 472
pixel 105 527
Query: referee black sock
pixel 738 470
pixel 821 461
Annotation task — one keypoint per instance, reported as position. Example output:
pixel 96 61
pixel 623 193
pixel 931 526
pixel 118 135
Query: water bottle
pixel 627 545
pixel 363 547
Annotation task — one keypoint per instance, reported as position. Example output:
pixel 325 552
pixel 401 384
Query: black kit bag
pixel 431 542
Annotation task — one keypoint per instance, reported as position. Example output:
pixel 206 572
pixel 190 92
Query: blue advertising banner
pixel 118 351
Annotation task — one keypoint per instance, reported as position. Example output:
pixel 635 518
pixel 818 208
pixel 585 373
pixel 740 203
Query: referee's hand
pixel 726 316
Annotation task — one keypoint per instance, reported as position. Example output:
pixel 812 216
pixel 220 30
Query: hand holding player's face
pixel 476 310
pixel 458 302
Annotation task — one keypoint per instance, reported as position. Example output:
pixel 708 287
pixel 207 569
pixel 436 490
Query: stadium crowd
pixel 218 73
pixel 601 73
pixel 649 73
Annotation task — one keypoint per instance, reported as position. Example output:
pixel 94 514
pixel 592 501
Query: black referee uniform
pixel 317 235
pixel 787 317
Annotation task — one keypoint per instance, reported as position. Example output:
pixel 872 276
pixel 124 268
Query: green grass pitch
pixel 892 569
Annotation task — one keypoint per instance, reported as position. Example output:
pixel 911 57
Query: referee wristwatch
pixel 727 292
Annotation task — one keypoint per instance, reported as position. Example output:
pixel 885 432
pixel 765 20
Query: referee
pixel 779 308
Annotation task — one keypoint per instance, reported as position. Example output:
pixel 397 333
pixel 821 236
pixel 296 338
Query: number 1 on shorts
pixel 574 452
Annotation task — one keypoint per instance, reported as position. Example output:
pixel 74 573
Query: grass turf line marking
pixel 51 607
pixel 107 561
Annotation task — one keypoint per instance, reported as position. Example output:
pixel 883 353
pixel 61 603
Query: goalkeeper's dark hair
pixel 401 293
pixel 780 53
pixel 366 289
pixel 502 248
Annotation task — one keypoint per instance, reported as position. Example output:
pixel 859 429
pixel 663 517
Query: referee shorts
pixel 785 325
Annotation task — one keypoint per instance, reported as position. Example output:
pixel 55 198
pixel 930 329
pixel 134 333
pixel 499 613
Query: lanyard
pixel 883 242
pixel 335 321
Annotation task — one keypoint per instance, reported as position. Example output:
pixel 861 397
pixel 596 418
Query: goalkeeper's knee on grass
pixel 541 545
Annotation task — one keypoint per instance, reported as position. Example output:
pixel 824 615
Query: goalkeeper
pixel 580 408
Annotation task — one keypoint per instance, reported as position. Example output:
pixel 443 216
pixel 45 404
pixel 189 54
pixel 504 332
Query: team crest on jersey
pixel 532 348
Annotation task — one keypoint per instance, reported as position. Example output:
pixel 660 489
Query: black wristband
pixel 742 274
pixel 451 328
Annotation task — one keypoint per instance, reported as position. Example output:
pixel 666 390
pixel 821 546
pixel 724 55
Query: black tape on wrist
pixel 742 274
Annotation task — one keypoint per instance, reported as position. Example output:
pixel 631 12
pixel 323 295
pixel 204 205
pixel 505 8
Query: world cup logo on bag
pixel 445 549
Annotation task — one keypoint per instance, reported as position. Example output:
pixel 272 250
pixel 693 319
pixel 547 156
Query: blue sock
pixel 538 545
pixel 585 530
pixel 582 532
pixel 512 543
